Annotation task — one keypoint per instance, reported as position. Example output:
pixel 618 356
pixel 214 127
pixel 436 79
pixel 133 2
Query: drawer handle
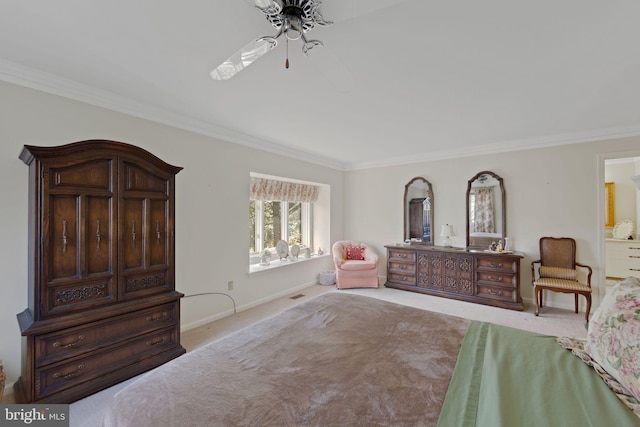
pixel 492 292
pixel 634 256
pixel 98 235
pixel 495 265
pixel 157 341
pixel 69 375
pixel 636 248
pixel 71 344
pixel 634 269
pixel 158 318
pixel 65 236
pixel 495 279
pixel 158 234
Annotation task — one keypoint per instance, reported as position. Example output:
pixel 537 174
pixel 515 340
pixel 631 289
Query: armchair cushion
pixel 356 265
pixel 558 273
pixel 613 339
pixel 355 252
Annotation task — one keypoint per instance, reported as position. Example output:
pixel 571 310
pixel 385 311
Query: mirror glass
pixel 418 211
pixel 486 213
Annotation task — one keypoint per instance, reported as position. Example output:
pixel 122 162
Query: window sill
pixel 256 268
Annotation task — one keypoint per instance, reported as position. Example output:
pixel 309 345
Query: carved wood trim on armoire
pixel 102 302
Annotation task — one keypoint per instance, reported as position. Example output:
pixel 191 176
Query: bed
pixel 345 359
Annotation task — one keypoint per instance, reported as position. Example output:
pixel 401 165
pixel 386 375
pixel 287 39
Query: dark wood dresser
pixel 102 302
pixel 481 277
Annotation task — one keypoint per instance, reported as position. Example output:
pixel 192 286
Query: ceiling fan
pixel 292 18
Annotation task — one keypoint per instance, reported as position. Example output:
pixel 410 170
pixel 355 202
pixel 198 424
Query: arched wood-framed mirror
pixel 486 211
pixel 418 211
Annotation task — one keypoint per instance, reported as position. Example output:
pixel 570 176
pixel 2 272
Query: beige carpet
pixel 88 412
pixel 337 359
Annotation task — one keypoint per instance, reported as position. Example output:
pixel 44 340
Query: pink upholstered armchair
pixel 356 265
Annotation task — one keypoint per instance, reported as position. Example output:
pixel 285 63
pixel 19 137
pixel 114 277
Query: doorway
pixel 620 203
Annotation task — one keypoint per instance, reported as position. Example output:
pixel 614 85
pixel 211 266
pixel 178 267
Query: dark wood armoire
pixel 102 302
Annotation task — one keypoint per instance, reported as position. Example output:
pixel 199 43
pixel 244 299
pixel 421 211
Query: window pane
pixel 252 226
pixel 272 224
pixel 294 218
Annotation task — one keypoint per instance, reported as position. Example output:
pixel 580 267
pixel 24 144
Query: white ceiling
pixel 424 79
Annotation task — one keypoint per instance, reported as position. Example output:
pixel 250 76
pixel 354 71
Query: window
pixel 280 210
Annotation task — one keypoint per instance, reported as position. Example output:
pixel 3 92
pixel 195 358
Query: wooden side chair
pixel 557 271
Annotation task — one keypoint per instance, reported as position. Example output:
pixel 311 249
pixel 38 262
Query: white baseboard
pixel 244 307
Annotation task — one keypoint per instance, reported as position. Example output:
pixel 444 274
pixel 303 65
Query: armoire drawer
pixel 59 345
pixel 60 376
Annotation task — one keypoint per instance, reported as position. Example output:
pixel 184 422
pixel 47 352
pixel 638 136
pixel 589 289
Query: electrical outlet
pixel 230 285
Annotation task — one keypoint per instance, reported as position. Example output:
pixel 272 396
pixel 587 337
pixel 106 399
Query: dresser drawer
pixel 496 292
pixel 622 267
pixel 496 278
pixel 623 249
pixel 497 263
pixel 406 279
pixel 72 342
pixel 60 376
pixel 400 255
pixel 402 267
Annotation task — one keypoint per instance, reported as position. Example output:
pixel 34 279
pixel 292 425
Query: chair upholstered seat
pixel 570 285
pixel 557 270
pixel 355 265
pixel 355 273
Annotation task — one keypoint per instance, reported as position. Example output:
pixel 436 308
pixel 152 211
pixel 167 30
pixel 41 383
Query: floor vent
pixel 297 296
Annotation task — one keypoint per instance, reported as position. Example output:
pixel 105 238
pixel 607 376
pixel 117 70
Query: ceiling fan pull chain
pixel 286 63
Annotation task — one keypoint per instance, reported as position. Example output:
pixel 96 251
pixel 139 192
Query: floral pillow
pixel 355 252
pixel 613 339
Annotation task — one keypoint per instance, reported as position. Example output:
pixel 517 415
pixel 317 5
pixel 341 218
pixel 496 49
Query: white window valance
pixel 281 191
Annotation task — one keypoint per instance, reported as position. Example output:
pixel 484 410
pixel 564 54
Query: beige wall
pixel 549 192
pixel 211 225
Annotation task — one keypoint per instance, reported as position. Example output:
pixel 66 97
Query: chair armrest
pixel 590 272
pixel 537 262
pixel 337 260
pixel 370 256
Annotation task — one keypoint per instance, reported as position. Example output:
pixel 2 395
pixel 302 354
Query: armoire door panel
pixel 63 240
pixel 145 283
pixel 98 236
pixel 158 235
pixel 95 174
pixel 80 295
pixel 139 179
pixel 132 233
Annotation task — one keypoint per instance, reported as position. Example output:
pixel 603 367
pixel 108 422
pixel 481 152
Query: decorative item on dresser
pixel 485 278
pixel 102 302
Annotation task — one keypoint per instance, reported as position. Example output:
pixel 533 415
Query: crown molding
pixel 505 146
pixel 11 72
pixel 20 75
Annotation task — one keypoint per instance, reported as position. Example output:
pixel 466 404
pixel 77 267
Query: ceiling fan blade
pixel 261 4
pixel 244 57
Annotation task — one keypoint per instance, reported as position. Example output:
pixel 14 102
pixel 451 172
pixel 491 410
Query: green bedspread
pixel 512 378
